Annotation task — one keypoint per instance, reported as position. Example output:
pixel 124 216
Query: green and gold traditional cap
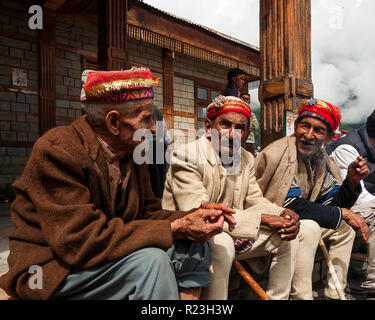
pixel 118 86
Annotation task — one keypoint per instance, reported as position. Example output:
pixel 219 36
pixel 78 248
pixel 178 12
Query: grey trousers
pixel 367 212
pixel 147 274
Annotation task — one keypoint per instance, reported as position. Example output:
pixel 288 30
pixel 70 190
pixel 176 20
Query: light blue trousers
pixel 147 274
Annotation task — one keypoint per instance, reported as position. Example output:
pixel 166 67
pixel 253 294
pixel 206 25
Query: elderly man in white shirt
pixel 344 150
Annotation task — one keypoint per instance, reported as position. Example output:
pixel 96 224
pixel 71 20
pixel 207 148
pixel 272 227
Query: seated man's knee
pixel 154 258
pixel 346 229
pixel 309 233
pixel 222 248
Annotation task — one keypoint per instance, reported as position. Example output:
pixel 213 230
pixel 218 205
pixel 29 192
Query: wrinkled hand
pixel 357 171
pixel 198 226
pixel 290 230
pixel 227 212
pixel 356 222
pixel 287 225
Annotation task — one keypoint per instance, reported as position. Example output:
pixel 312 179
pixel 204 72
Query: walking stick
pixel 251 282
pixel 331 268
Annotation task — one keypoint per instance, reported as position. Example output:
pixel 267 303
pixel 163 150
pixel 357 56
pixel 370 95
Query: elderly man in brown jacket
pixel 208 169
pixel 295 172
pixel 87 225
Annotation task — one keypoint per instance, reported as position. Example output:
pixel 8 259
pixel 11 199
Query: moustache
pixel 307 142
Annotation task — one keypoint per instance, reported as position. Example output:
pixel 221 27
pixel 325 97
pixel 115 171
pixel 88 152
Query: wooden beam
pixel 47 73
pixel 202 82
pixel 18 36
pixel 54 5
pixel 285 55
pixel 168 74
pixel 112 17
pixel 90 55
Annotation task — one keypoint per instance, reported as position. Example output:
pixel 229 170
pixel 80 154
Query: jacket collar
pixel 88 137
pixel 92 145
pixel 292 147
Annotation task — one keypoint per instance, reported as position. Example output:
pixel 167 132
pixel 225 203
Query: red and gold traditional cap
pixel 321 110
pixel 223 104
pixel 118 86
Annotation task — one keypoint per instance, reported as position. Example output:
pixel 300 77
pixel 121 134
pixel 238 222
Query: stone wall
pixel 200 69
pixel 145 53
pixel 142 53
pixel 19 108
pixel 77 34
pixel 183 95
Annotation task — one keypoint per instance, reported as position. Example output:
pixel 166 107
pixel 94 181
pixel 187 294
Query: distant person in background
pixel 159 167
pixel 236 81
pixel 258 150
pixel 339 133
pixel 254 125
pixel 361 142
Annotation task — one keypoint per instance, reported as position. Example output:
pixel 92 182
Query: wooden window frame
pixel 199 103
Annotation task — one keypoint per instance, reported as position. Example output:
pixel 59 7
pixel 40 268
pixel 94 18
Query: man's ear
pixel 296 122
pixel 112 122
pixel 329 137
pixel 208 126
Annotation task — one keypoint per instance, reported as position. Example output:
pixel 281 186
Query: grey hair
pixel 97 111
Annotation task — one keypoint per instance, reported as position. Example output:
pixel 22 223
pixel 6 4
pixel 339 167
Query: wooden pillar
pixel 47 70
pixel 285 51
pixel 168 74
pixel 112 39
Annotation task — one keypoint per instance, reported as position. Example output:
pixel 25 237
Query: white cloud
pixel 343 50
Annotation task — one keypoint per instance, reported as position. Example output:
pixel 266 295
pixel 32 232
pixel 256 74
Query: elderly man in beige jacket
pixel 210 170
pixel 295 172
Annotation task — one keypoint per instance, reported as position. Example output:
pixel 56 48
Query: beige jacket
pixel 254 125
pixel 277 164
pixel 196 174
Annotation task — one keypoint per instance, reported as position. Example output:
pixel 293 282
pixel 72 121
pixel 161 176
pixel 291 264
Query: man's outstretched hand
pixel 357 171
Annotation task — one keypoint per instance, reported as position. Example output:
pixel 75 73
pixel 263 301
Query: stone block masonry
pixel 183 95
pixel 12 162
pixel 145 54
pixel 19 106
pixel 200 69
pixel 77 34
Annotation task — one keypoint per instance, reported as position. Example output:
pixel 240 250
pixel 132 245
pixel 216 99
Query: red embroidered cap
pixel 321 110
pixel 223 104
pixel 118 86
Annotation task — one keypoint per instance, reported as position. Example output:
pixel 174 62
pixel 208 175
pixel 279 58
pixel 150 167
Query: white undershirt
pixel 344 155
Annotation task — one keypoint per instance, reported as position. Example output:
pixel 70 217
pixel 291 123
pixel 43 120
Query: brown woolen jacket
pixel 62 213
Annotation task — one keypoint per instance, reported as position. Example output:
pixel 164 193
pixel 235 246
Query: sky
pixel 343 44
